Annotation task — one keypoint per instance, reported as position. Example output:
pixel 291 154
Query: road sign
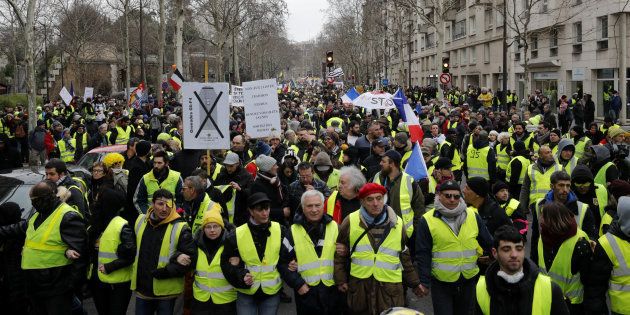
pixel 385 82
pixel 206 115
pixel 445 78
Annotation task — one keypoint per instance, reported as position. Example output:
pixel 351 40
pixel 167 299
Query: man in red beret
pixel 371 249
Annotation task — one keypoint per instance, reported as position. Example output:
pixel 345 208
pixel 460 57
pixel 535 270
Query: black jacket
pixel 137 168
pixel 149 253
pixel 492 215
pixel 43 283
pixel 279 197
pixel 185 161
pixel 517 298
pixel 76 200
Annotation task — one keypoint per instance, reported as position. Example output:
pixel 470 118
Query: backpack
pixel 19 131
pixel 121 179
pixel 155 123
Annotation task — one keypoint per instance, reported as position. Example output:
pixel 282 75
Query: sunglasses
pixel 452 196
pixel 582 185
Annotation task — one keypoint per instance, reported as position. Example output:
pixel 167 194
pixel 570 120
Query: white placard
pixel 236 97
pixel 89 93
pixel 206 115
pixel 578 74
pixel 262 113
pixel 65 95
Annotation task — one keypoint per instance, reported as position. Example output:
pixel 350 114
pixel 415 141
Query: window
pixel 488 14
pixel 534 43
pixel 544 6
pixel 473 24
pixel 486 53
pixel 454 58
pixel 473 55
pixel 447 33
pixel 429 40
pixel 553 43
pixel 462 57
pixel 577 32
pixel 459 29
pixel 517 56
pixel 500 19
pixel 602 27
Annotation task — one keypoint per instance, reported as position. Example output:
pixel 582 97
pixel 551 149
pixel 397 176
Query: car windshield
pixel 88 160
pixel 14 190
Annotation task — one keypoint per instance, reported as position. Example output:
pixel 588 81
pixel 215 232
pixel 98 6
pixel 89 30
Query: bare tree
pixel 161 44
pixel 122 6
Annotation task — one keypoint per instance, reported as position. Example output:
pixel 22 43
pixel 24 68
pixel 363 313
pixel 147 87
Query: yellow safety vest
pixel 477 163
pixel 525 162
pixel 405 157
pixel 560 271
pixel 618 251
pixel 66 154
pixel 206 205
pixel 210 281
pixel 579 219
pixel 541 304
pixel 163 287
pixel 333 179
pixel 453 255
pixel 384 262
pixel 337 119
pixel 503 157
pixel 510 206
pixel 580 146
pixel 217 170
pixel 230 203
pixel 600 178
pixel 457 160
pixel 43 247
pixel 406 193
pixel 123 135
pixel 315 269
pixel 108 247
pixel 265 272
pixel 84 142
pixel 570 165
pixel 330 203
pixel 540 183
pixel 606 220
pixel 601 199
pixel 170 183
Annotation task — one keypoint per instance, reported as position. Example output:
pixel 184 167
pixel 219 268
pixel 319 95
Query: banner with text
pixel 65 95
pixel 236 97
pixel 206 115
pixel 89 93
pixel 262 113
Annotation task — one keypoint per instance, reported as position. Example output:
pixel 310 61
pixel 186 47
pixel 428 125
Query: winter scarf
pixel 373 221
pixel 453 217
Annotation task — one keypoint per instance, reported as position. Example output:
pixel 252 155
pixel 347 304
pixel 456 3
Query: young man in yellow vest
pixel 311 251
pixel 511 206
pixel 597 196
pixel 536 182
pixel 372 263
pixel 57 172
pixel 512 272
pixel 54 257
pixel 447 242
pixel 165 250
pixel 122 133
pixel 251 256
pixel 197 202
pixel 160 177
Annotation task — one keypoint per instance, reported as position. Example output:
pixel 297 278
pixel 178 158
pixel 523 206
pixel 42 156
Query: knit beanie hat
pixel 265 163
pixel 394 156
pixel 143 147
pixel 213 216
pixel 619 188
pixel 479 185
pixel 498 186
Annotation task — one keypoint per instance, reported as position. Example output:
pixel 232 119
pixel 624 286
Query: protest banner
pixel 205 115
pixel 262 112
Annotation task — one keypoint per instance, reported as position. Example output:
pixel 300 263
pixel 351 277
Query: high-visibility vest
pixel 541 304
pixel 333 179
pixel 312 268
pixel 170 183
pixel 618 251
pixel 230 203
pixel 503 157
pixel 210 281
pixel 66 154
pixel 217 170
pixel 123 135
pixel 452 124
pixel 527 141
pixel 601 198
pixel 330 203
pixel 337 119
pixel 43 247
pixel 453 255
pixel 406 193
pixel 383 263
pixel 405 157
pixel 580 146
pixel 265 272
pixel 510 206
pixel 600 178
pixel 535 120
pixel 432 184
pixel 525 162
pixel 579 219
pixel 107 252
pixel 206 205
pixel 540 183
pixel 457 160
pixel 560 271
pixel 477 163
pixel 570 165
pixel 84 142
pixel 606 220
pixel 161 287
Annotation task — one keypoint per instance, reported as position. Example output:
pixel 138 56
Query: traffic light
pixel 445 65
pixel 330 61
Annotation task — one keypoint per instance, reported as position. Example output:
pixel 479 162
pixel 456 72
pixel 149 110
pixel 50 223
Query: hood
pixel 581 173
pixel 172 217
pixel 623 212
pixel 570 198
pixel 601 153
pixel 564 143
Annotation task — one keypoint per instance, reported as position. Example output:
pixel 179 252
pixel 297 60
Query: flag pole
pixel 207 150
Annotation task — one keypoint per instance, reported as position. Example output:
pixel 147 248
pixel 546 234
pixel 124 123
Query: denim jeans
pixel 150 307
pixel 250 305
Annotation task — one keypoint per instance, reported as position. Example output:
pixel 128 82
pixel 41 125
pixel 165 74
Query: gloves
pixel 160 273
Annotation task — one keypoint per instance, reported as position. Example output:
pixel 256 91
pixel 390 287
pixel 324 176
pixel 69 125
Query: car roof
pixel 25 175
pixel 110 148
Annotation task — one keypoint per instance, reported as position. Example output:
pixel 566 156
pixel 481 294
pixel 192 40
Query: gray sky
pixel 306 18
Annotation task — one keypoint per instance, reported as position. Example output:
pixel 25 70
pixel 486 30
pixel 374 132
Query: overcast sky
pixel 306 18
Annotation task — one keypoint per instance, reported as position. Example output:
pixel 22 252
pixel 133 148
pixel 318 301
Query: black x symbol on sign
pixel 208 116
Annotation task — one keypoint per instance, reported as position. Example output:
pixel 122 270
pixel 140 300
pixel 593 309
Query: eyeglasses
pixel 452 196
pixel 97 170
pixel 582 185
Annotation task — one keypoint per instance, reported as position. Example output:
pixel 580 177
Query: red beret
pixel 371 188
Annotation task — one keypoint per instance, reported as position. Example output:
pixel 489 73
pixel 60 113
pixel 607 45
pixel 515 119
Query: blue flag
pixel 350 96
pixel 416 167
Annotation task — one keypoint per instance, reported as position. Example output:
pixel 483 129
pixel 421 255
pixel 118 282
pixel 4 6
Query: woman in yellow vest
pixel 212 293
pixel 564 252
pixel 113 239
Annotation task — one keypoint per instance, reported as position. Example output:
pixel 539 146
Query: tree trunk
pixel 143 72
pixel 161 44
pixel 126 52
pixel 29 39
pixel 237 75
pixel 179 35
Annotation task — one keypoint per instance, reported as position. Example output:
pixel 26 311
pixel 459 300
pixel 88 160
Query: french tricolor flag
pixel 177 79
pixel 408 116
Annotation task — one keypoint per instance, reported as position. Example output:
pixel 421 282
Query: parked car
pixel 15 186
pixel 95 155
